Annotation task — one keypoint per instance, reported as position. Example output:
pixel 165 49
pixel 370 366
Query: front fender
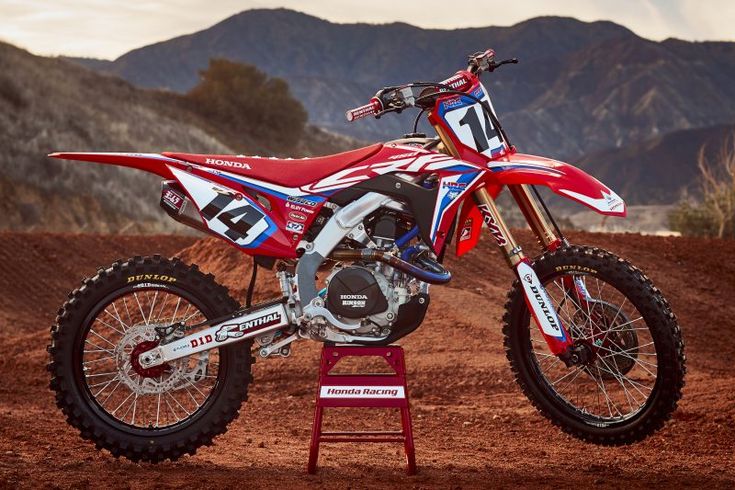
pixel 562 178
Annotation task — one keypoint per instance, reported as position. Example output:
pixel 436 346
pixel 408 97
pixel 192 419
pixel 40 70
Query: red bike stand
pixel 364 391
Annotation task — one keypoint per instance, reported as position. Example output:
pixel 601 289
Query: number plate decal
pixel 471 124
pixel 226 212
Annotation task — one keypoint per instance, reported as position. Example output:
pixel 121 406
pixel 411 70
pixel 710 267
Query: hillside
pixel 471 422
pixel 53 105
pixel 580 88
pixel 657 170
pixel 49 104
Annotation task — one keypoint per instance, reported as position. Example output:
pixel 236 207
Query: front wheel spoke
pixel 602 389
pixel 628 395
pixel 613 354
pixel 570 381
pixel 566 376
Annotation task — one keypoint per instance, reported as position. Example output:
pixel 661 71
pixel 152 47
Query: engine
pixel 364 292
pixel 386 301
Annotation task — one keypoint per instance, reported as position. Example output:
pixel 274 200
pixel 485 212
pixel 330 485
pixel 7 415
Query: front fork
pixel 537 299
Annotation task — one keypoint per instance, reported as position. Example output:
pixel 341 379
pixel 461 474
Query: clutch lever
pixel 494 66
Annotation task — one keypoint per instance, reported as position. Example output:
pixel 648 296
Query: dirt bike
pixel 151 358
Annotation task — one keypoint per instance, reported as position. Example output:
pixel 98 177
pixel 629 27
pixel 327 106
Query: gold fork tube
pixel 498 228
pixel 535 218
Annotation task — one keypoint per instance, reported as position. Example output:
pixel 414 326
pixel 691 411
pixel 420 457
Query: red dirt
pixel 473 426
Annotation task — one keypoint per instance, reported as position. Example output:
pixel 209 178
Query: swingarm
pixel 235 328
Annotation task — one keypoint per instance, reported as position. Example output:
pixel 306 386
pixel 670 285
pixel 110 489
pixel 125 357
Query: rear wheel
pixel 632 378
pixel 145 414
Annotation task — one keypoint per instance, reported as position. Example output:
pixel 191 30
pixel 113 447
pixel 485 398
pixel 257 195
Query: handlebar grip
pixel 370 109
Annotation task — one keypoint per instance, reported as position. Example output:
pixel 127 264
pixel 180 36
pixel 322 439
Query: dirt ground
pixel 473 426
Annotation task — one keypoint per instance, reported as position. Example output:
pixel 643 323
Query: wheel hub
pixel 619 346
pixel 152 372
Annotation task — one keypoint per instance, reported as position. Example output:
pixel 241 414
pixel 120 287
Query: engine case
pixel 353 292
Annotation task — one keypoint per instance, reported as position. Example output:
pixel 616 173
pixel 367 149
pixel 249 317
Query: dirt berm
pixel 474 428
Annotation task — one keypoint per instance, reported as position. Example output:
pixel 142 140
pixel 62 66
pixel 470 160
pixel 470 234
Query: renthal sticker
pixel 302 201
pixel 227 163
pixel 300 209
pixel 237 330
pixel 575 268
pixel 150 285
pixel 362 392
pixel 466 232
pixel 150 277
pixel 296 216
pixel 538 298
pixel 295 227
pixel 492 225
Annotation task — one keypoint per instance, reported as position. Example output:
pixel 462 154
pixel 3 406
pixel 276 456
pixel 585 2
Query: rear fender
pixel 564 179
pixel 149 162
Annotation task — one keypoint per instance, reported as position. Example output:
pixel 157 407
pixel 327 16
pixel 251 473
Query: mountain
pixel 659 169
pixel 52 105
pixel 580 87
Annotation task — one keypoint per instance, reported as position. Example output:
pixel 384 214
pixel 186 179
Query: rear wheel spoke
pixel 131 397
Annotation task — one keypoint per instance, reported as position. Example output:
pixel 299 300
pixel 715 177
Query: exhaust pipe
pixel 439 276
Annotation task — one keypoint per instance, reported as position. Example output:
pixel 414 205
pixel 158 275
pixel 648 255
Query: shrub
pixel 240 99
pixel 714 215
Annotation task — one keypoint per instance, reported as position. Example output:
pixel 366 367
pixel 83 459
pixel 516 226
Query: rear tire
pixel 70 373
pixel 662 327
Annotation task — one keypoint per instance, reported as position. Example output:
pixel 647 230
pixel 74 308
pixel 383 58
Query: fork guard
pixel 562 178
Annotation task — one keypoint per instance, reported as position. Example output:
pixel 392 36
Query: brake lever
pixel 494 66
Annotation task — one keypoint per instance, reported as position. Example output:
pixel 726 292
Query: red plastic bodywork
pixel 273 180
pixel 290 172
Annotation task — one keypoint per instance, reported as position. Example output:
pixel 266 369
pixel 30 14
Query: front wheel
pixel 143 414
pixel 631 381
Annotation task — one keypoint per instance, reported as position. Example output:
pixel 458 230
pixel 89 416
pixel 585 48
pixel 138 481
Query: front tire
pixel 155 414
pixel 632 332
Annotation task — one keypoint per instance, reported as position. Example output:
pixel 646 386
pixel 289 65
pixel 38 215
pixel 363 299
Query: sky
pixel 110 28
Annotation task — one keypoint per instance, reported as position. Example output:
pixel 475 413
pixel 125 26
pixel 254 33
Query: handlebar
pixel 395 99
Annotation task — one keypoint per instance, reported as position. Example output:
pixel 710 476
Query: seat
pixel 290 172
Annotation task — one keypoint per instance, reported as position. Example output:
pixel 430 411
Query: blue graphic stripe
pixel 527 166
pixel 464 101
pixel 448 199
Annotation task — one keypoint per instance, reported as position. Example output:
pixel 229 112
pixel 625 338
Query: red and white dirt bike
pixel 151 359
